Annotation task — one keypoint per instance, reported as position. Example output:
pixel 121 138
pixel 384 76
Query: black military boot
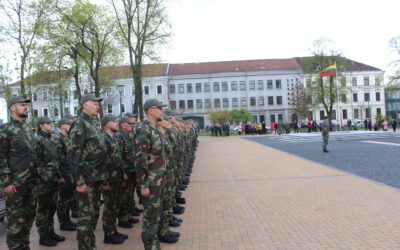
pixel 125 224
pixel 67 227
pixel 120 235
pixel 167 238
pixel 178 210
pixel 113 239
pixel 180 200
pixel 47 241
pixel 174 223
pixel 177 219
pixel 174 234
pixel 133 220
pixel 135 213
pixel 139 210
pixel 72 223
pixel 57 237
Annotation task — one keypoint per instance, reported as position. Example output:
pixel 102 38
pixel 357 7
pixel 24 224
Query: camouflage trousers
pixel 47 206
pixel 20 211
pixel 112 204
pixel 127 198
pixel 151 216
pixel 88 215
pixel 168 202
pixel 66 201
pixel 325 139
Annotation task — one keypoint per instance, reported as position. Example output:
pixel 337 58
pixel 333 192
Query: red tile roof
pixel 120 72
pixel 234 66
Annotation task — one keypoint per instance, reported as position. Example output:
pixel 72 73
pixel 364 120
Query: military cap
pixel 108 118
pixel 17 99
pixel 68 116
pixel 124 119
pixel 169 112
pixel 89 97
pixel 63 121
pixel 43 119
pixel 153 102
pixel 166 117
pixel 131 114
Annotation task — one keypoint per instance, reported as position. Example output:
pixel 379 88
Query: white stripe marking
pixel 383 143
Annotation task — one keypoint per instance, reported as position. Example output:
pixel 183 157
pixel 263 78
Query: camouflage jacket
pixel 63 159
pixel 169 151
pixel 114 161
pixel 87 151
pixel 18 156
pixel 127 149
pixel 150 163
pixel 325 127
pixel 48 165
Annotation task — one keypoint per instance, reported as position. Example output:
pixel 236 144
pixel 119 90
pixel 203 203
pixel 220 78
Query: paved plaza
pixel 252 195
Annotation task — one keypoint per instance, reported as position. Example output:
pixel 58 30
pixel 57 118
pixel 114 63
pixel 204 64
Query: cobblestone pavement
pixel 244 195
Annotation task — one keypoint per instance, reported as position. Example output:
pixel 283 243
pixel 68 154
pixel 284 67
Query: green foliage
pixel 220 117
pixel 239 115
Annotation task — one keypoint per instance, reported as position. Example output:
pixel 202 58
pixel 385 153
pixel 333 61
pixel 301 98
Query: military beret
pixel 17 99
pixel 63 121
pixel 124 119
pixel 153 102
pixel 107 118
pixel 89 97
pixel 43 119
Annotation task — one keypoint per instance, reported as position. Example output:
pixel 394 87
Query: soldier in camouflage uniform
pixel 66 199
pixel 18 174
pixel 150 165
pixel 49 177
pixel 325 135
pixel 112 196
pixel 88 157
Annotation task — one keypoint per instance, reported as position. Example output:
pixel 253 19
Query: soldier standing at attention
pixel 112 197
pixel 325 134
pixel 18 174
pixel 49 177
pixel 88 158
pixel 66 199
pixel 150 165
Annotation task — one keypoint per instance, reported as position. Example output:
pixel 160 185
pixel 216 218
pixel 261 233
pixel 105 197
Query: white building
pixel 263 87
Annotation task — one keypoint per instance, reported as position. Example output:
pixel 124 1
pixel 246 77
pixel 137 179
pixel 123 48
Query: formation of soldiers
pixel 114 158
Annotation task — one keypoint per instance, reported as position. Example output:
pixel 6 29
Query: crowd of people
pixel 90 160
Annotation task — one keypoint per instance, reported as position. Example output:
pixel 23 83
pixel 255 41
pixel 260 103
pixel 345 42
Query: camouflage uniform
pixel 325 135
pixel 127 149
pixel 49 173
pixel 66 201
pixel 112 197
pixel 151 169
pixel 88 156
pixel 18 167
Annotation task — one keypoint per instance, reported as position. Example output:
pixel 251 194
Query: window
pixel 279 100
pixel 366 97
pixel 356 114
pixel 366 81
pixel 354 81
pixel 355 97
pixel 207 103
pixel 344 114
pixel 243 102
pixel 252 85
pixel 199 103
pixel 55 111
pixel 368 113
pixel 217 103
pixel 234 86
pixel 216 86
pixel 206 87
pixel 189 88
pixel 172 89
pixel 343 81
pixel 44 96
pixel 224 86
pixel 75 110
pixel 147 90
pixel 272 118
pixel 234 103
pixel 270 100
pixel 343 98
pixel 133 90
pixel 242 85
pixel 260 101
pixel 322 114
pixel 198 87
pixel 190 104
pixel 378 111
pixel 181 88
pixel 159 89
pixel 377 81
pixel 278 84
pixel 121 90
pixel 122 108
pixel 225 103
pixel 109 109
pixel 36 113
pixel 308 82
pixel 34 97
pixel 269 84
pixel 109 93
pixel 66 110
pixel 172 104
pixel 280 117
pixel 260 84
pixel 253 101
pixel 378 96
pixel 45 112
pixel 181 104
pixel 334 114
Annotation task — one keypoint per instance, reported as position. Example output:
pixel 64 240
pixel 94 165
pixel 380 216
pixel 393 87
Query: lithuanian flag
pixel 329 71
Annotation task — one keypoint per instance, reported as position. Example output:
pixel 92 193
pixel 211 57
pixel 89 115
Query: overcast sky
pixel 219 30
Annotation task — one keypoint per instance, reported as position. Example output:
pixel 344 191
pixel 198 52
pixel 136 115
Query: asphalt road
pixel 378 162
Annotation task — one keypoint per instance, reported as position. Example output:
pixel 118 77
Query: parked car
pixel 357 123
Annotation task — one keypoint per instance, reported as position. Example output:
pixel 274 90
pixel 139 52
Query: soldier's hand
pixel 82 189
pixel 61 180
pixel 145 192
pixel 125 177
pixel 10 190
pixel 106 187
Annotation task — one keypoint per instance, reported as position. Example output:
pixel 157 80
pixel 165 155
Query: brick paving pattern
pixel 244 195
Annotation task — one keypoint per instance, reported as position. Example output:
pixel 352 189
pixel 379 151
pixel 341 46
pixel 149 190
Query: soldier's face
pixel 165 124
pixel 156 112
pixel 20 109
pixel 46 127
pixel 65 127
pixel 91 108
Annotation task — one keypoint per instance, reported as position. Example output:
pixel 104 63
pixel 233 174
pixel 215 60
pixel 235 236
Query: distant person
pixel 325 135
pixel 394 125
pixel 349 124
pixel 273 131
pixel 385 125
pixel 365 124
pixel 309 126
pixel 369 124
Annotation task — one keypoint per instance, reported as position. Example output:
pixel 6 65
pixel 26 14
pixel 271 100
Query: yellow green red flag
pixel 328 71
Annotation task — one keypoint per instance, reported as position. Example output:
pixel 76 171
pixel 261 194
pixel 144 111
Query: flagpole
pixel 337 99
